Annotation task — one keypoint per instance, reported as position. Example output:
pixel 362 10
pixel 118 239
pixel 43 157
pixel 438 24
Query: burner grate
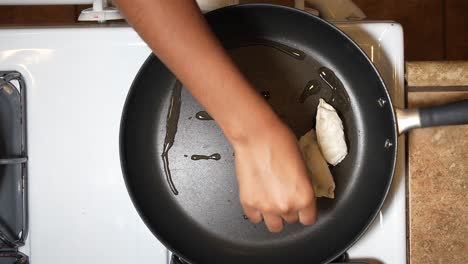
pixel 13 161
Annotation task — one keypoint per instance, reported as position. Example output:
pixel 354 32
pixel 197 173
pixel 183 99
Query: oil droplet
pixel 265 94
pixel 172 120
pixel 295 53
pixel 338 96
pixel 312 87
pixel 215 156
pixel 203 115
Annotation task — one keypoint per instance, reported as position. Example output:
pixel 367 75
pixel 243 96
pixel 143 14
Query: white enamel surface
pixel 385 240
pixel 77 81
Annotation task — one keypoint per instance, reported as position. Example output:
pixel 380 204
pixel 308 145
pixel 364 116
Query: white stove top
pixel 77 81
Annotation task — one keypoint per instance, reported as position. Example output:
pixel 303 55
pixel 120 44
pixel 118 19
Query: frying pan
pixel 204 222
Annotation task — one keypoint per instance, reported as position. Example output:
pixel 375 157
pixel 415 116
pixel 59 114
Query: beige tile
pixel 437 73
pixel 438 187
pixel 424 99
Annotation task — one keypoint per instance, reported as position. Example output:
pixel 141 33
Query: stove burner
pixel 12 163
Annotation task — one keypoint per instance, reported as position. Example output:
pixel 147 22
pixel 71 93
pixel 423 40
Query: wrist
pixel 252 124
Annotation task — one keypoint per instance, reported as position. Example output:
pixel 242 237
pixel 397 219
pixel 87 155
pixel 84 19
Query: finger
pixel 291 218
pixel 253 214
pixel 274 223
pixel 308 215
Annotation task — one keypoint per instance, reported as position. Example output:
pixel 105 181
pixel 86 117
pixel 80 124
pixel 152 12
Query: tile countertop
pixel 438 168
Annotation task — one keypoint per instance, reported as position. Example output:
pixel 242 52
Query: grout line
pixel 460 88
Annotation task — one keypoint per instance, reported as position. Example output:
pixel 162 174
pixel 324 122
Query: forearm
pixel 177 32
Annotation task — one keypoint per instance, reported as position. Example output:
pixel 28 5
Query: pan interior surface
pixel 204 223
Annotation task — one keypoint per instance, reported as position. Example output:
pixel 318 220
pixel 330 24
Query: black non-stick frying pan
pixel 279 49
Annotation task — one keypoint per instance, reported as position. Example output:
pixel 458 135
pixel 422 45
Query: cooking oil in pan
pixel 312 87
pixel 203 115
pixel 265 94
pixel 338 95
pixel 172 121
pixel 290 51
pixel 294 81
pixel 215 156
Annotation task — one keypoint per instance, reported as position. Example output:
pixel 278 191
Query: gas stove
pixel 77 79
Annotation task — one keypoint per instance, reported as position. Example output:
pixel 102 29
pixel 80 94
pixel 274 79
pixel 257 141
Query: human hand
pixel 273 181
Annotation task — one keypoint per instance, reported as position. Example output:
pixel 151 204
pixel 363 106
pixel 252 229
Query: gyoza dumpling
pixel 330 135
pixel 317 167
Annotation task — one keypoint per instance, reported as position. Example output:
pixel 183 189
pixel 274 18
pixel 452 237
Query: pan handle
pixel 443 115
